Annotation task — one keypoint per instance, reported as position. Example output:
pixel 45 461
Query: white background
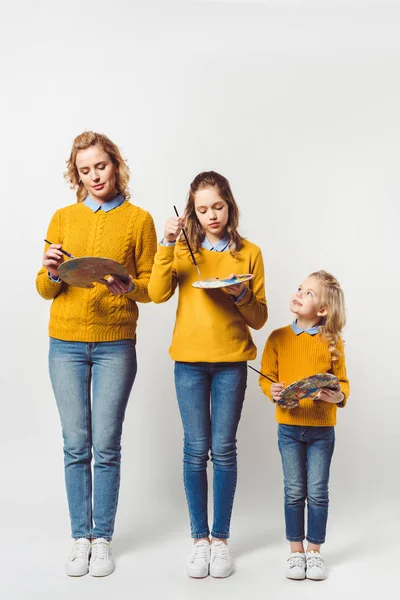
pixel 297 103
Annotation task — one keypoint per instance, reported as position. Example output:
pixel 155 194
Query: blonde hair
pixel 84 141
pixel 194 230
pixel 332 323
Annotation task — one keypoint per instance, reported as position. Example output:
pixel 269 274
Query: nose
pixel 94 176
pixel 212 214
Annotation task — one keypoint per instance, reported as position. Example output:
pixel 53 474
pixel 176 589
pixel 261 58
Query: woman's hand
pixel 117 286
pixel 173 227
pixel 52 259
pixel 276 389
pixel 332 396
pixel 234 290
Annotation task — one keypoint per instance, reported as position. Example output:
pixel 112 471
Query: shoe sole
pixel 221 575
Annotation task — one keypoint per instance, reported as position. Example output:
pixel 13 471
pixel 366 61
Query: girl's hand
pixel 276 389
pixel 116 286
pixel 173 227
pixel 52 259
pixel 332 396
pixel 234 290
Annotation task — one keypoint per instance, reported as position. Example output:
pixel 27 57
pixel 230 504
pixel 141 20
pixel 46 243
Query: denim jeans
pixel 306 454
pixel 92 383
pixel 210 429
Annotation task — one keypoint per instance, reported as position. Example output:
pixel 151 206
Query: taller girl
pixel 211 344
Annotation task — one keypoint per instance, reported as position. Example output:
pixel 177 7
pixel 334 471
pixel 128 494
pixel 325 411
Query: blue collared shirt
pixel 297 330
pixel 107 206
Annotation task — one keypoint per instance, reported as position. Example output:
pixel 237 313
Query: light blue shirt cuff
pixel 58 280
pixel 164 243
pixel 241 295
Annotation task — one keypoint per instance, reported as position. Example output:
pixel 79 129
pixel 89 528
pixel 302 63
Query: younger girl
pixel 211 344
pixel 306 437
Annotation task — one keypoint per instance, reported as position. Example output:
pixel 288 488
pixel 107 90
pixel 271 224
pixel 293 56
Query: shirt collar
pixel 106 207
pixel 218 247
pixel 297 330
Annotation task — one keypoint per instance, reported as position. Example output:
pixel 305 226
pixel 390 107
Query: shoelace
pixel 315 561
pixel 296 561
pixel 199 551
pixel 80 550
pixel 219 550
pixel 100 550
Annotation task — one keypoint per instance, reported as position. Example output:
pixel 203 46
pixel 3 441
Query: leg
pixel 293 454
pixel 320 448
pixel 227 395
pixel 193 386
pixel 114 371
pixel 70 374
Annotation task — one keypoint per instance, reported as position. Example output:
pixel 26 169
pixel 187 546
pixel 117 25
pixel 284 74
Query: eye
pixel 202 212
pixel 219 207
pixel 85 172
pixel 102 167
pixel 309 294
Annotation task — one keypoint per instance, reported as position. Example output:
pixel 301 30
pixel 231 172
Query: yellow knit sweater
pixel 209 326
pixel 288 357
pixel 125 234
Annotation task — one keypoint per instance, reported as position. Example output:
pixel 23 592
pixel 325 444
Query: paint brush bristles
pixel 187 241
pixel 259 372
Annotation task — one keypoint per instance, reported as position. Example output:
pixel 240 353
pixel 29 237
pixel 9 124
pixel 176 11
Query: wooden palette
pixel 83 272
pixel 208 284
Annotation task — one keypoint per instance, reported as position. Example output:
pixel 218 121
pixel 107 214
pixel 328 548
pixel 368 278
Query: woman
pixel 92 357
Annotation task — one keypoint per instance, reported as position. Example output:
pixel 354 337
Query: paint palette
pixel 307 388
pixel 209 284
pixel 82 272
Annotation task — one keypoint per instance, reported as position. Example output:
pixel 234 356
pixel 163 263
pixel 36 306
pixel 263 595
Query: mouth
pixel 214 225
pixel 297 303
pixel 99 186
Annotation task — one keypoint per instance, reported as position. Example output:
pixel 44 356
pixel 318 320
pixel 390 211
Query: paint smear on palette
pixel 82 272
pixel 209 284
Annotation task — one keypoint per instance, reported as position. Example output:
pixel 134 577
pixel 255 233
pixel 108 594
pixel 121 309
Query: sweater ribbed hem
pixel 203 356
pixel 103 335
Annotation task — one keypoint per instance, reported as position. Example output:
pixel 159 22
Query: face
pixel 97 173
pixel 307 301
pixel 212 212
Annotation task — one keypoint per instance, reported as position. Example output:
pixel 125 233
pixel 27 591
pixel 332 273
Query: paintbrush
pixel 60 249
pixel 259 372
pixel 187 241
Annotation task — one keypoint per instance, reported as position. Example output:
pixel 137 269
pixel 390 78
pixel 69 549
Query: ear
pixel 323 311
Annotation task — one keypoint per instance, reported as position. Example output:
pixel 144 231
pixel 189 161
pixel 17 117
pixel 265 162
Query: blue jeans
pixel 306 454
pixel 208 430
pixel 78 371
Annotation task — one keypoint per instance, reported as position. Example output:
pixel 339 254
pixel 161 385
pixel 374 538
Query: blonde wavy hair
pixel 332 323
pixel 84 141
pixel 194 230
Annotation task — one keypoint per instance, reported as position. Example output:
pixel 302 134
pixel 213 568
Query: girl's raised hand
pixel 332 396
pixel 173 227
pixel 52 259
pixel 276 389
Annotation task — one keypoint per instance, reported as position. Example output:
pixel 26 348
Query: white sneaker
pixel 197 565
pixel 315 566
pixel 296 566
pixel 78 561
pixel 221 564
pixel 101 561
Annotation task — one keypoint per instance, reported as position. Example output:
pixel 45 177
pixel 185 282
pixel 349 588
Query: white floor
pixel 361 555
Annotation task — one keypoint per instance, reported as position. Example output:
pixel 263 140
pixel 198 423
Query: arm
pixel 145 249
pixel 339 369
pixel 163 280
pixel 253 305
pixel 269 366
pixel 47 288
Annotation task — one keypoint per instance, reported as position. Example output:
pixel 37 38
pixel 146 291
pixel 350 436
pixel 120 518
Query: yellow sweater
pixel 125 234
pixel 288 357
pixel 209 326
